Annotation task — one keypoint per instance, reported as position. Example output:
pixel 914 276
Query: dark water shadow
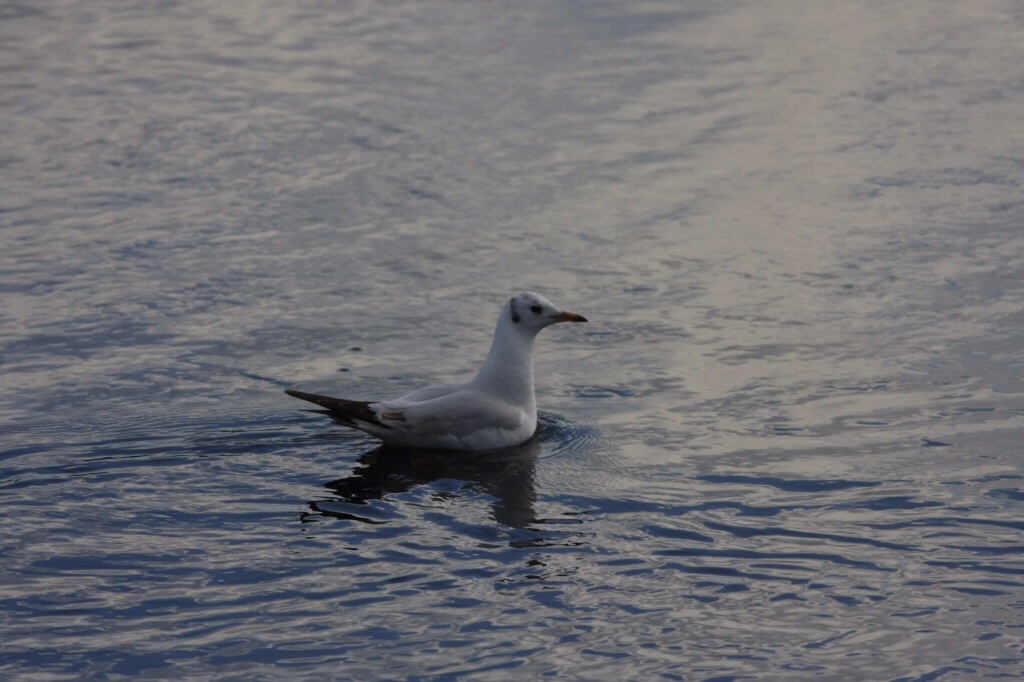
pixel 507 475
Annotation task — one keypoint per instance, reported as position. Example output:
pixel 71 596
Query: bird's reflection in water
pixel 506 474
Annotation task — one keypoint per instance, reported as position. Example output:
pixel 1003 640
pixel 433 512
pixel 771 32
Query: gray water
pixel 786 447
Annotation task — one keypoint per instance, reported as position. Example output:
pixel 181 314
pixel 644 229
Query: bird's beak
pixel 568 317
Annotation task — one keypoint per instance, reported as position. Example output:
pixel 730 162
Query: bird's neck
pixel 508 369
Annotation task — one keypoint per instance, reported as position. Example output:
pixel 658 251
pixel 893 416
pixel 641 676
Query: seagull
pixel 495 409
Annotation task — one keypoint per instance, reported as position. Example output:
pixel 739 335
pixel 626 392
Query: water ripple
pixel 792 448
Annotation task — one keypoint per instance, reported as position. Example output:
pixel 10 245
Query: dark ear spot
pixel 513 310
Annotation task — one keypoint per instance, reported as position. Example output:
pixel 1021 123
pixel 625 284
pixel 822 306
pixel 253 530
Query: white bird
pixel 495 409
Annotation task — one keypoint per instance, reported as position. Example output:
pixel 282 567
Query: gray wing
pixel 427 393
pixel 456 414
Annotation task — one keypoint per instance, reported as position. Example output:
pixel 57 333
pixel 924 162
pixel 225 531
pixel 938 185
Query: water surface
pixel 786 446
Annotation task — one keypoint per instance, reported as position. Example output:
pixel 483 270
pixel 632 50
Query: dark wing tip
pixel 311 397
pixel 339 408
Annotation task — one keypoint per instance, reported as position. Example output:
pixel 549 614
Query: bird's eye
pixel 535 309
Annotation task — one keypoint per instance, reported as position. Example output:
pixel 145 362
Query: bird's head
pixel 533 312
